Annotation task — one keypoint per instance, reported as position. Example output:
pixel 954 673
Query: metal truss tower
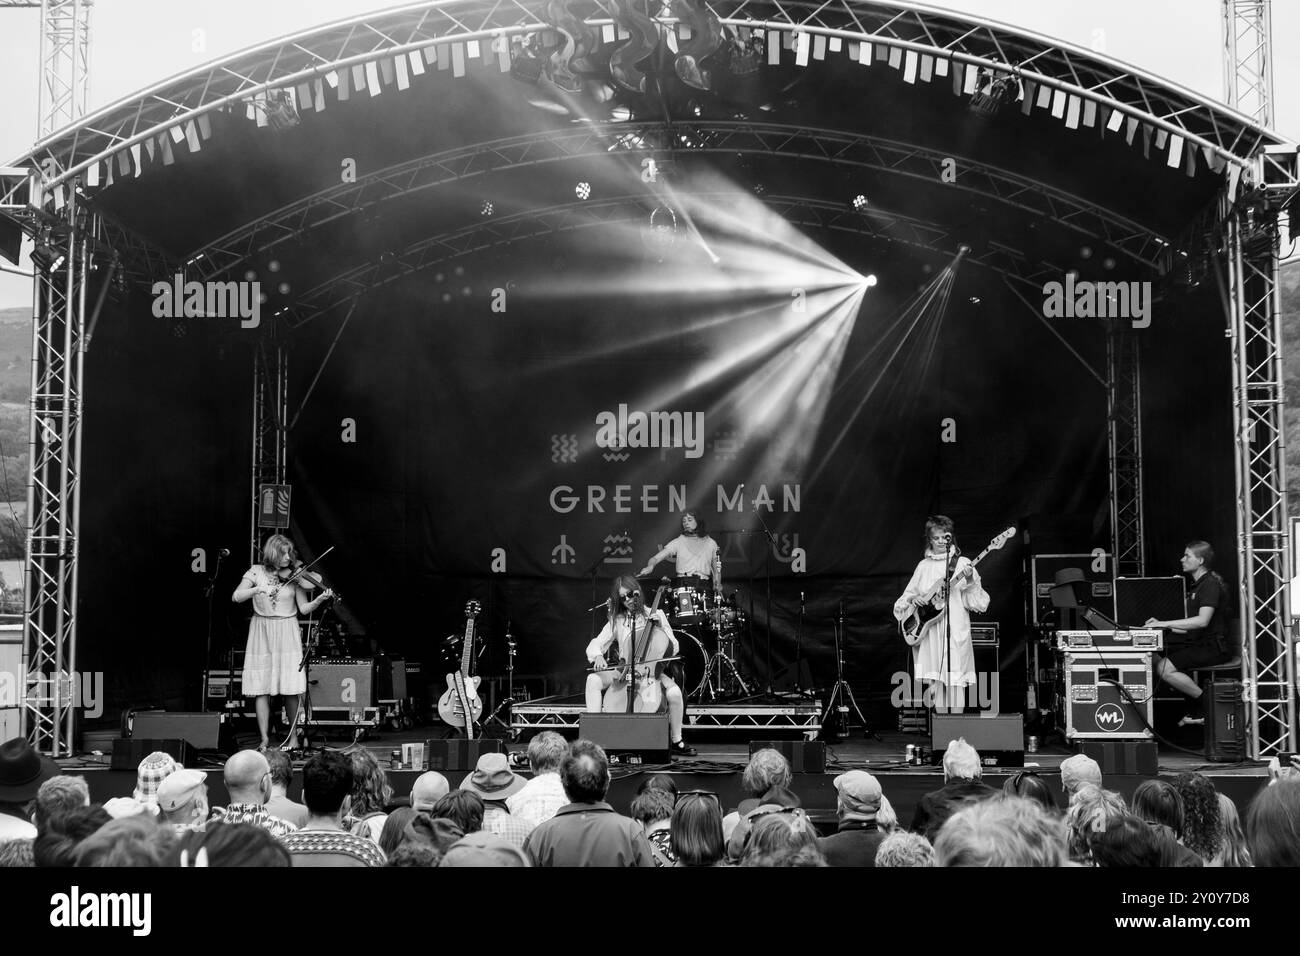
pixel 1124 435
pixel 1248 58
pixel 270 425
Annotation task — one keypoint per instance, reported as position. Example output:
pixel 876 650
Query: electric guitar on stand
pixel 925 617
pixel 460 706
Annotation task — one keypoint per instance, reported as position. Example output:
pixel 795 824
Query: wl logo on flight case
pixel 1109 717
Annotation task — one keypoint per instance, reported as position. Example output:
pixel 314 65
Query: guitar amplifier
pixel 1137 600
pixel 1100 592
pixel 342 684
pixel 1096 707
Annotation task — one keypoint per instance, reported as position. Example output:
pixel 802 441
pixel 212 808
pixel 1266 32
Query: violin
pixel 302 574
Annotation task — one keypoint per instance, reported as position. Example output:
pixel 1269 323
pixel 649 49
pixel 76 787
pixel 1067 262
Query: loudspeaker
pixel 129 751
pixel 1123 756
pixel 803 756
pixel 458 753
pixel 200 731
pixel 1097 591
pixel 627 733
pixel 392 678
pixel 984 645
pixel 343 684
pixel 1225 720
pixel 1137 600
pixel 1000 740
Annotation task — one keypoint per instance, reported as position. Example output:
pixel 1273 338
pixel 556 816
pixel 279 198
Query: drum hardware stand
pixel 721 662
pixel 508 703
pixel 841 696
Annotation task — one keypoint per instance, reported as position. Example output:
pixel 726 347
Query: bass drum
pixel 691 671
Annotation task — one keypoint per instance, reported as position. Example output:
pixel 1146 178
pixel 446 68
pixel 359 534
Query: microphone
pixel 224 552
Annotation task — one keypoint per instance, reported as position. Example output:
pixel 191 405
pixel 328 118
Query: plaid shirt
pixel 539 800
pixel 254 814
pixel 509 828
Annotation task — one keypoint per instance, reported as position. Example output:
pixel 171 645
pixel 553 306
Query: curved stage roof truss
pixel 1079 87
pixel 798 210
pixel 1125 236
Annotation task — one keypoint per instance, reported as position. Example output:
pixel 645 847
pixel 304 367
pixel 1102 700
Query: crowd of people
pixel 560 817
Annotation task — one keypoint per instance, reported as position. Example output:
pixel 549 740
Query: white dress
pixel 273 655
pixel 929 654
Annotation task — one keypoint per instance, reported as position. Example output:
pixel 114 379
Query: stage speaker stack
pixel 1000 740
pixel 645 735
pixel 803 756
pixel 1137 600
pixel 458 753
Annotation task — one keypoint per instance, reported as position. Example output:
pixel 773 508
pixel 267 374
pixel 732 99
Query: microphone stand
pixel 950 559
pixel 208 592
pixel 767 573
pixel 509 701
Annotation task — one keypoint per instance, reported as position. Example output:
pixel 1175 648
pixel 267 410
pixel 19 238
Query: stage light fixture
pixel 487 209
pixel 860 202
pixel 869 281
pixel 759 190
pixel 250 275
pixel 994 94
pixel 1108 263
pixel 582 190
pixel 46 258
pixel 1085 252
pixel 526 59
pixel 273 265
pixel 974 300
pixel 281 113
pixel 963 249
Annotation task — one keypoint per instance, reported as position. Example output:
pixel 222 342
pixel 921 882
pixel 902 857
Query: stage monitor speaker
pixel 129 751
pixel 1225 720
pixel 342 684
pixel 803 756
pixel 1137 600
pixel 1133 757
pixel 645 734
pixel 1000 740
pixel 458 753
pixel 201 731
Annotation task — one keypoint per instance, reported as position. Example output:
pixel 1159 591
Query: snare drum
pixel 690 605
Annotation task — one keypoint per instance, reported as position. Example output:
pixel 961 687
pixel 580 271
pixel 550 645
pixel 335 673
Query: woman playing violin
pixel 273 657
pixel 627 614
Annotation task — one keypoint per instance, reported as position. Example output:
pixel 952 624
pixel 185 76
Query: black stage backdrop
pixel 476 473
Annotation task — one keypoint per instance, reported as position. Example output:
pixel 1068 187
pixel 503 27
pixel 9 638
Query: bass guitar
pixel 924 616
pixel 460 705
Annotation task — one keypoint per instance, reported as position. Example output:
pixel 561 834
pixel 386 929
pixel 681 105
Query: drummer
pixel 694 553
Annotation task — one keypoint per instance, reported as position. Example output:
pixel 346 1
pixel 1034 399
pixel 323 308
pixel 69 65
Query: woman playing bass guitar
pixel 626 617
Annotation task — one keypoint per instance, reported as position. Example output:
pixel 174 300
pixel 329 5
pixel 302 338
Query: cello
pixel 649 653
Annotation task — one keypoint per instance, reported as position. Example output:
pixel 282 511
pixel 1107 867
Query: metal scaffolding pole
pixel 1254 303
pixel 54 486
pixel 270 425
pixel 1124 406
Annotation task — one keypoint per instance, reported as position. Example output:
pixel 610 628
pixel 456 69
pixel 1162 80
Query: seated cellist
pixel 626 616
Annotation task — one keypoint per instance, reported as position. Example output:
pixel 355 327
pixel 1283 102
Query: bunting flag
pixel 403 78
pixel 458 60
pixel 911 63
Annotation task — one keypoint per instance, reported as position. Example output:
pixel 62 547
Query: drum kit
pixel 704 618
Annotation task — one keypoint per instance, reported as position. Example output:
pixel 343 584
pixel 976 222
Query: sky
pixel 135 43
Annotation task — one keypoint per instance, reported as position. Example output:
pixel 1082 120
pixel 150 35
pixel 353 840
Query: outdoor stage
pixel 480 298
